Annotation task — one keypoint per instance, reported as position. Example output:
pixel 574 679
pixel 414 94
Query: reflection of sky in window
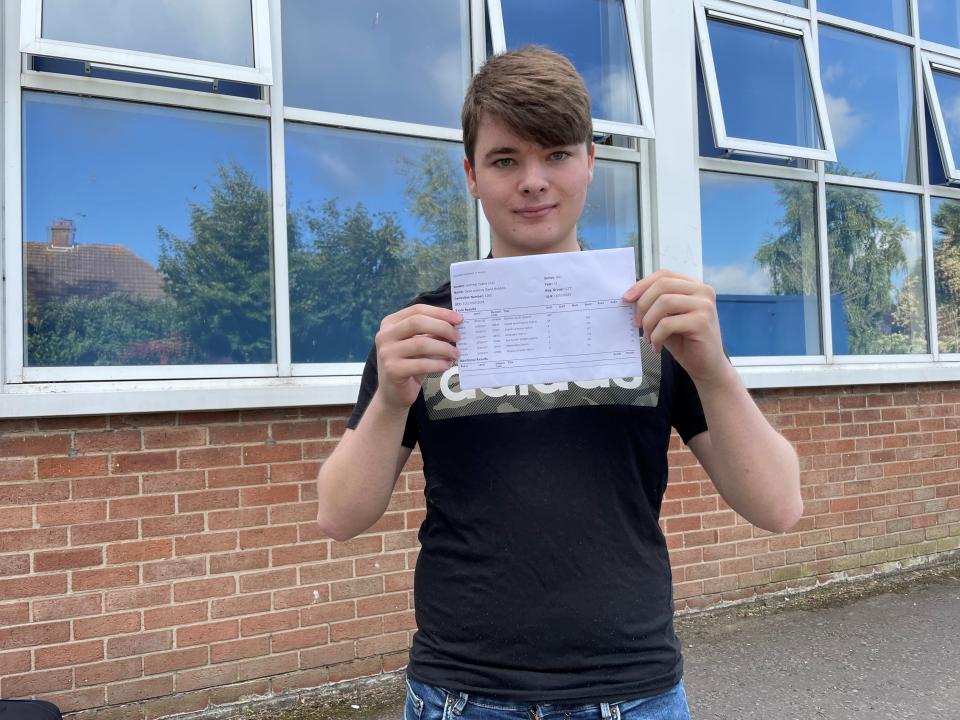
pixel 212 30
pixel 940 21
pixel 868 85
pixel 593 36
pixel 889 14
pixel 119 170
pixel 611 215
pixel 948 92
pixel 764 85
pixel 405 61
pixel 357 167
pixel 739 215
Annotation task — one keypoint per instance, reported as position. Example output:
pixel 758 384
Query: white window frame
pixel 783 23
pixel 32 43
pixel 634 34
pixel 951 66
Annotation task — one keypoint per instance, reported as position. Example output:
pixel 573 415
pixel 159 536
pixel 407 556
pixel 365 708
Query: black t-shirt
pixel 543 574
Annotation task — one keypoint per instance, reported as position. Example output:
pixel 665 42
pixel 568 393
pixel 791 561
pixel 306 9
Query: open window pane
pixel 611 215
pixel 945 112
pixel 946 270
pixel 868 85
pixel 940 21
pixel 374 219
pixel 762 96
pixel 166 260
pixel 876 272
pixel 890 14
pixel 406 61
pixel 218 31
pixel 760 255
pixel 593 35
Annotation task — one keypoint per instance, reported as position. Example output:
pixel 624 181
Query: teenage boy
pixel 543 583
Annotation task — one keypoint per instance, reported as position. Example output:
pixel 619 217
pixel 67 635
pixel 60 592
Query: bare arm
pixel 753 467
pixel 356 481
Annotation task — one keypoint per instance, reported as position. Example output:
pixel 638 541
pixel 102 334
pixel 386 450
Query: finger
pixel 445 314
pixel 402 369
pixel 670 326
pixel 667 305
pixel 418 325
pixel 423 346
pixel 642 285
pixel 663 286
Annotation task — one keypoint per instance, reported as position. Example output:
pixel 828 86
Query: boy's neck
pixel 500 249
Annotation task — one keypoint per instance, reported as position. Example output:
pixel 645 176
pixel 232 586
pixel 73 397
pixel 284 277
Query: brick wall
pixel 159 564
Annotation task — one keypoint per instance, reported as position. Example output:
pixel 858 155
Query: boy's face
pixel 532 195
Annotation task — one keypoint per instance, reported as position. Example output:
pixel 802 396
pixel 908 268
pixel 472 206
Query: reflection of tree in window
pixel 866 251
pixel 946 265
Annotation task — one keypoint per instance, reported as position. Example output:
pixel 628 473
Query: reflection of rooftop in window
pixel 172 80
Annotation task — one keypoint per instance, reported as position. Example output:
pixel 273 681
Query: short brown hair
pixel 536 92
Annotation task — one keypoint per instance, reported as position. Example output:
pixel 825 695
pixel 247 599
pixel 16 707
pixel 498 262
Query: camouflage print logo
pixel 445 399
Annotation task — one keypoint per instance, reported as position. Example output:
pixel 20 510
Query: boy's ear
pixel 591 153
pixel 472 178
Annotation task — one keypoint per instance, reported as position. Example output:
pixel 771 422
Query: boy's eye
pixel 503 162
pixel 559 155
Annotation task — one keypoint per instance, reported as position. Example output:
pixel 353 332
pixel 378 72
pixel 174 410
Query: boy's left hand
pixel 680 313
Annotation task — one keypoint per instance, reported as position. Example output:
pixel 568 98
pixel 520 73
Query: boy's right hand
pixel 411 343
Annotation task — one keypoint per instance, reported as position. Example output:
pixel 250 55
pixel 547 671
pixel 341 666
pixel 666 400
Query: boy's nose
pixel 533 181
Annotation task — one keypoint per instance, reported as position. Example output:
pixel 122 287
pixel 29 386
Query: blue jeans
pixel 428 702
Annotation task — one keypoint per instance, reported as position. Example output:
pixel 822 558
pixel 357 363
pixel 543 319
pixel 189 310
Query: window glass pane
pixel 868 85
pixel 876 272
pixel 760 255
pixel 406 61
pixel 161 260
pixel 940 21
pixel 764 85
pixel 374 219
pixel 593 34
pixel 213 30
pixel 611 215
pixel 946 270
pixel 948 92
pixel 890 14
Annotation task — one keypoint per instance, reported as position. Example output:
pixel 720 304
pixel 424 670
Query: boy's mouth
pixel 534 211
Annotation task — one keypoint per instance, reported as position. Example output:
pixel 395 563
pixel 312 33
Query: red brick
pixel 202 589
pixel 236 562
pixel 105 578
pixel 14 614
pixel 31 587
pixel 140 644
pixel 280 452
pixel 271 580
pixel 12 470
pixel 14 662
pixel 67 467
pixel 354 669
pixel 382 605
pixel 272 666
pixel 33 445
pixel 175 615
pixel 175 660
pixel 71 513
pixel 22 636
pixel 210 417
pixel 16 517
pixel 171 482
pixel 240 605
pixel 237 476
pixel 400 621
pixel 297 639
pixel 172 525
pixel 140 597
pixel 246 517
pixel 107 441
pixel 174 437
pixel 141 507
pixel 240 649
pixel 173 569
pixel 270 622
pixel 210 457
pixel 208 500
pixel 13 540
pixel 139 551
pixel 328 655
pixel 394 642
pixel 106 625
pixel 207 633
pixel 205 543
pixel 363 545
pixel 269 495
pixel 265 537
pixel 303 430
pixel 330 611
pixel 14 564
pixel 207 677
pixel 128 692
pixel 36 682
pixel 67 559
pixel 71 654
pixel 296 513
pixel 238 434
pixel 294 472
pixel 105 487
pixel 108 672
pixel 143 462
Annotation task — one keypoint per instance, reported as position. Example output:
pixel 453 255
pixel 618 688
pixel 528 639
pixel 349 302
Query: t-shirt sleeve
pixel 368 386
pixel 687 416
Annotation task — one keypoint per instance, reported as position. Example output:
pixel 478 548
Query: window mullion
pixel 12 324
pixel 281 276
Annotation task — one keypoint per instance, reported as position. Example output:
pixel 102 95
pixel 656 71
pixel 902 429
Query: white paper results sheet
pixel 557 317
